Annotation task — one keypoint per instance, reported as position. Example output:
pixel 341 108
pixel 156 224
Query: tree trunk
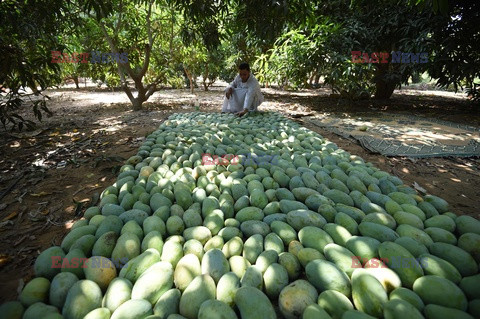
pixel 306 84
pixel 137 104
pixel 75 79
pixel 317 79
pixel 205 78
pixel 136 74
pixel 383 88
pixel 189 75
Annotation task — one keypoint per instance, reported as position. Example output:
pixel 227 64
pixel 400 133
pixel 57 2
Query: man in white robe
pixel 243 94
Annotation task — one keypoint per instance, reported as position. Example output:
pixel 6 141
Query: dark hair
pixel 244 66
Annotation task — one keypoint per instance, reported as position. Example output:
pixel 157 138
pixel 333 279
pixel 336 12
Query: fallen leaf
pixel 11 216
pixel 419 188
pixel 40 194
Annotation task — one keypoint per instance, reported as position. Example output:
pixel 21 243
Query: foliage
pixel 9 110
pixel 28 34
pixel 457 59
pixel 474 94
pixel 213 67
pixel 292 43
pixel 323 42
pixel 317 50
pixel 158 37
pixel 437 5
pixel 295 49
pixel 399 28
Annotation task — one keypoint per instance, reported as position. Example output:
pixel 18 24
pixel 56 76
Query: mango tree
pixel 28 33
pixel 150 33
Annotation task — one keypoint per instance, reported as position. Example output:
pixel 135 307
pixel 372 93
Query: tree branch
pixel 152 88
pixel 114 48
pixel 148 49
pixel 119 22
pixel 126 65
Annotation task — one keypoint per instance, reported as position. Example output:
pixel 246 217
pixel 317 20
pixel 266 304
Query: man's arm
pixel 247 105
pixel 230 87
pixel 228 92
pixel 252 92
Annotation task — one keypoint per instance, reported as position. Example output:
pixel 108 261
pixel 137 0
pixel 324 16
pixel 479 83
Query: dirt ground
pixel 51 175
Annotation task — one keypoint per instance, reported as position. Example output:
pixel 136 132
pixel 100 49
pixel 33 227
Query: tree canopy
pixel 291 43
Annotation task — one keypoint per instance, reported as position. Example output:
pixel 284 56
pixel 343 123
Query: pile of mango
pixel 256 217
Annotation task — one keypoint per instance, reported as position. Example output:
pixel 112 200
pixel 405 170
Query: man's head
pixel 244 71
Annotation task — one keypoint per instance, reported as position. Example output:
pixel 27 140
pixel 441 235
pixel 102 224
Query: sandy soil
pixel 50 176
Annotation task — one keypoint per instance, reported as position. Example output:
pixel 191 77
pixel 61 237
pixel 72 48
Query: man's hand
pixel 242 113
pixel 229 93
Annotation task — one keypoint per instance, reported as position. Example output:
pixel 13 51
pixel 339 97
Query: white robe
pixel 244 96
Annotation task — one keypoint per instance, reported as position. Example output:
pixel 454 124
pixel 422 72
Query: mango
pixel 325 275
pixel 295 297
pixel 83 297
pixel 154 282
pixel 335 303
pixel 368 293
pixel 134 308
pixel 201 289
pixel 118 292
pixel 251 302
pixel 36 290
pixel 440 291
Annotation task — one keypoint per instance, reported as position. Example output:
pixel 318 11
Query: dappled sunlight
pixel 82 98
pixel 69 225
pixel 185 99
pixel 413 92
pixel 395 134
pixel 88 136
pixel 298 93
pixel 109 124
pixel 14 144
pixel 468 167
pixel 454 178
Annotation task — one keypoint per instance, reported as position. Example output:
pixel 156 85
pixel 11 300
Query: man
pixel 243 94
